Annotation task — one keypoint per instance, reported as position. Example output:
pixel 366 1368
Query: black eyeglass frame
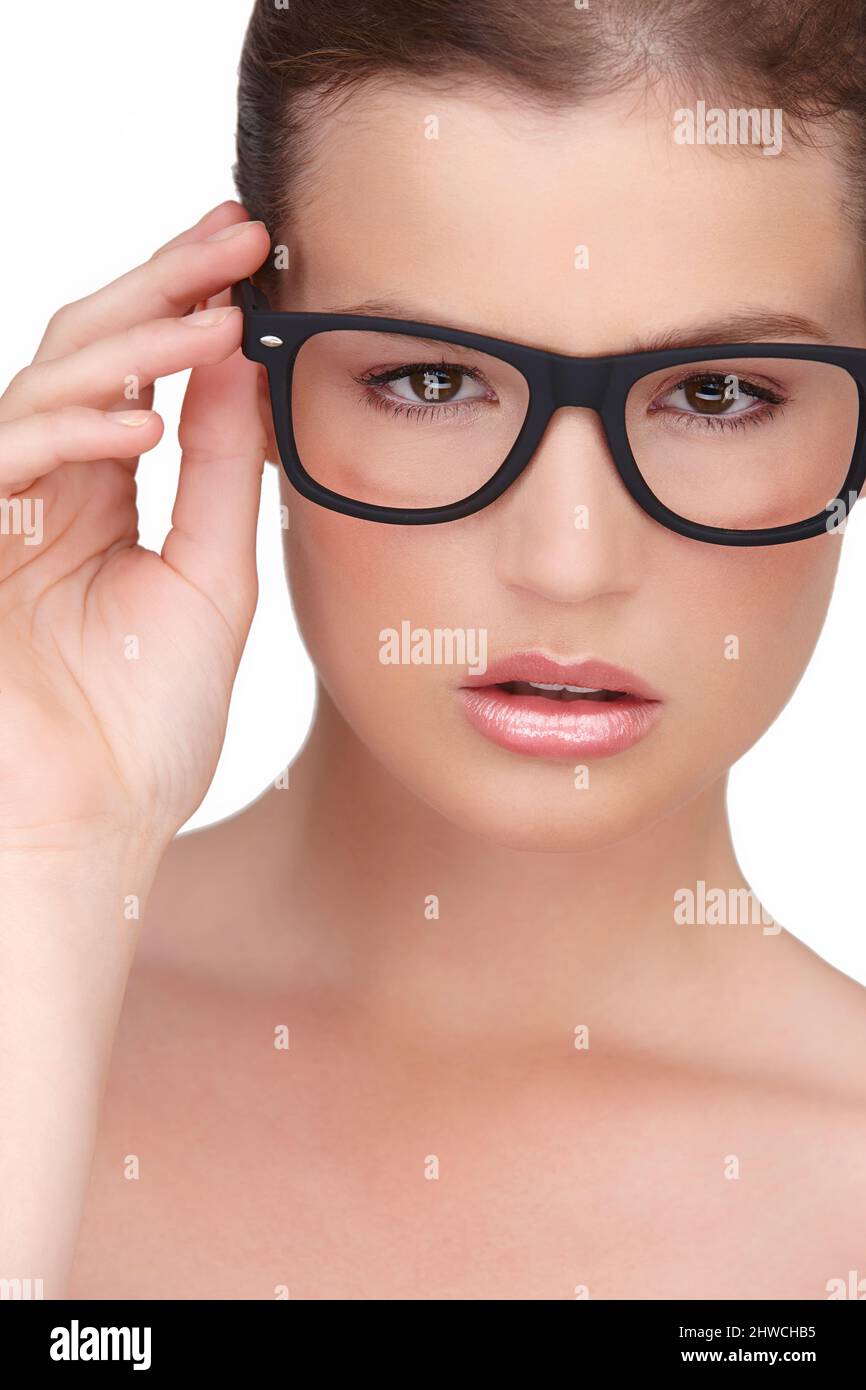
pixel 274 338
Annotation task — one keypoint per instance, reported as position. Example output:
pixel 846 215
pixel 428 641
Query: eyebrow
pixel 746 326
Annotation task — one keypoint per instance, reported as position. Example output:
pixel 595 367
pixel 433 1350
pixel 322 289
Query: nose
pixel 569 530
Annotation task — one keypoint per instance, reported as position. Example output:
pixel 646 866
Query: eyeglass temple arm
pixel 247 296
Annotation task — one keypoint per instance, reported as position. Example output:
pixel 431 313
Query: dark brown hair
pixel 807 57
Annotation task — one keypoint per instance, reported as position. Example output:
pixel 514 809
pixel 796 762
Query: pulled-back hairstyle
pixel 807 57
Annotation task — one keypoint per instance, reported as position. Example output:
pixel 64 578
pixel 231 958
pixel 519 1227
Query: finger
pixel 166 285
pixel 213 537
pixel 38 444
pixel 124 364
pixel 223 215
pixel 215 301
pixel 227 214
pixel 143 401
pixel 230 214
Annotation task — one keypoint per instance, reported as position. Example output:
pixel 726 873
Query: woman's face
pixel 478 229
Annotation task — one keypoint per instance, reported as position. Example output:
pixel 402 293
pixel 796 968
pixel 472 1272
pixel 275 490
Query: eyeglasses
pixel 414 424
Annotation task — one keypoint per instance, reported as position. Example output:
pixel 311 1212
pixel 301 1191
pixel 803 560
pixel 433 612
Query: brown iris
pixel 709 395
pixel 436 383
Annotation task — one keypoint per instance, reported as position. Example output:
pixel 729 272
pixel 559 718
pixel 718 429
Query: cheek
pixel 339 578
pixel 350 580
pixel 749 621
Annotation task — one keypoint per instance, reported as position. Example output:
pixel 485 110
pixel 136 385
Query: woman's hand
pixel 116 667
pixel 116 663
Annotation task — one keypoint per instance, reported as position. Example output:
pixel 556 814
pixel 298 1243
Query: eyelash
pixel 713 423
pixel 406 409
pixel 449 410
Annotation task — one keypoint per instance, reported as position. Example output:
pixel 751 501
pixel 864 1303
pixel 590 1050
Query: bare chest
pixel 228 1167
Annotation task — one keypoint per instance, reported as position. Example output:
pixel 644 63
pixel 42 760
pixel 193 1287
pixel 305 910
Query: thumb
pixel 223 440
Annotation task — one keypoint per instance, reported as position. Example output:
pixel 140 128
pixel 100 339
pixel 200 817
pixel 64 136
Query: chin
pixel 541 811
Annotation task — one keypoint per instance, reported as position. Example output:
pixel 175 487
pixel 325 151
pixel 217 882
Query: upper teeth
pixel 572 689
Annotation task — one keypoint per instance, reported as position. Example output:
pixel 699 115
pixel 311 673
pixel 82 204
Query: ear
pixel 273 454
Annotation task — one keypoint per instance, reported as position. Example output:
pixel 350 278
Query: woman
pixel 476 1003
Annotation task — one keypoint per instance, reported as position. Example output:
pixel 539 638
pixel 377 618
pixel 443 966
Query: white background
pixel 117 130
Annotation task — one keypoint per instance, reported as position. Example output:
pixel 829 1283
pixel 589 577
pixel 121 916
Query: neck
pixel 423 923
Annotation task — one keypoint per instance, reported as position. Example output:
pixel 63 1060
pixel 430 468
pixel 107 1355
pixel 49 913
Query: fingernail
pixel 234 230
pixel 129 417
pixel 207 318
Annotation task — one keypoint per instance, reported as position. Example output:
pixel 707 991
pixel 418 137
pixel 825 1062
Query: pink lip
pixel 547 729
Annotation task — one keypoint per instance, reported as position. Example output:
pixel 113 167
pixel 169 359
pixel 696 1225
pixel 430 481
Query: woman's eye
pixel 433 384
pixel 717 394
pixel 711 395
pixel 430 385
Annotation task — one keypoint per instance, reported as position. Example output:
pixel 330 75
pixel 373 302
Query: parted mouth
pixel 542 706
pixel 563 693
pixel 535 674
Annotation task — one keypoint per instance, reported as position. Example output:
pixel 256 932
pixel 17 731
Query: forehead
pixel 570 229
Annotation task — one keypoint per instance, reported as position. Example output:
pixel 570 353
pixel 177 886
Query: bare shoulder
pixel 798 1045
pixel 792 1020
pixel 825 1009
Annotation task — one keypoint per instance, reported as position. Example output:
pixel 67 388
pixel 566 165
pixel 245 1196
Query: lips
pixel 534 704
